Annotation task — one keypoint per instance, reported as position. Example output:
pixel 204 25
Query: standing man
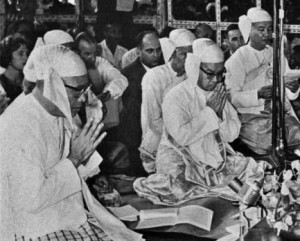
pixel 111 50
pixel 249 80
pixel 233 39
pixel 130 131
pixel 155 85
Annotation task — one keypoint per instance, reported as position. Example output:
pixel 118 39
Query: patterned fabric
pixel 86 232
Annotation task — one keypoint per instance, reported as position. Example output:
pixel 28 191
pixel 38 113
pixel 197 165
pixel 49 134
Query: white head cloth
pixel 254 15
pixel 167 47
pixel 54 37
pixel 50 63
pixel 182 37
pixel 204 51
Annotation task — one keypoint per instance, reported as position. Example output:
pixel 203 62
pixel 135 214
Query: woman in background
pixel 13 57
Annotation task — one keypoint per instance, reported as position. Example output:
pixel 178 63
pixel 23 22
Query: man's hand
pixel 217 100
pixel 84 143
pixel 265 92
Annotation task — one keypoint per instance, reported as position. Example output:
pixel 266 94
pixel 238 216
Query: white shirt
pixel 155 85
pixel 191 123
pixel 114 58
pixel 129 57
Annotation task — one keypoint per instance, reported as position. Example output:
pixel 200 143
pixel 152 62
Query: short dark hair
pixel 141 35
pixel 231 27
pixel 86 37
pixel 8 45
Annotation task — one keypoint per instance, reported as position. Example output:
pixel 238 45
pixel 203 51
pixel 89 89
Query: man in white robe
pixel 155 85
pixel 194 159
pixel 43 157
pixel 249 81
pixel 111 50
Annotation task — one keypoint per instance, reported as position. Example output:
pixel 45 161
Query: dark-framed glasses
pixel 218 75
pixel 79 90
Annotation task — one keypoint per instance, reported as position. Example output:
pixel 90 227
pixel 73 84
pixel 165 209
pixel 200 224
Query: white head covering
pixel 50 63
pixel 182 37
pixel 204 51
pixel 54 37
pixel 167 47
pixel 254 15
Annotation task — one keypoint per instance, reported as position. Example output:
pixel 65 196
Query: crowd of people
pixel 162 118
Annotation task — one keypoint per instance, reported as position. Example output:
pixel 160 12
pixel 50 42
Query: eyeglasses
pixel 219 75
pixel 80 91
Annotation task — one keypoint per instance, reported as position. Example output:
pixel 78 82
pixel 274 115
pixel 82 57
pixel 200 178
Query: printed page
pixel 196 215
pixel 152 218
pixel 158 213
pixel 156 222
pixel 125 213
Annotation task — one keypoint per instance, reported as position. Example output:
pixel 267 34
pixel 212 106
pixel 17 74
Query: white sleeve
pixel 35 189
pixel 185 127
pixel 116 83
pixel 235 80
pixel 151 103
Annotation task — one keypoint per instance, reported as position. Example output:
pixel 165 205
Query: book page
pixel 196 215
pixel 156 222
pixel 158 213
pixel 125 213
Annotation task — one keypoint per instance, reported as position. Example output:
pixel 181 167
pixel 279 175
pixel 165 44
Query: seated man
pixel 155 85
pixel 194 159
pixel 42 156
pixel 249 81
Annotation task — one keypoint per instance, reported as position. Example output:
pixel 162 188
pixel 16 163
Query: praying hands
pixel 85 141
pixel 217 100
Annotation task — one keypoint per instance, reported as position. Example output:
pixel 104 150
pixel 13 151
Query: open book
pixel 195 215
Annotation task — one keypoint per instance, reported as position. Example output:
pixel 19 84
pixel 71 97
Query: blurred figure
pixel 233 39
pixel 204 31
pixel 111 49
pixel 13 57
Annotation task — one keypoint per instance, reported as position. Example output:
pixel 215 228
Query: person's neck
pixel 14 75
pixel 46 104
pixel 257 47
pixel 112 46
pixel 176 69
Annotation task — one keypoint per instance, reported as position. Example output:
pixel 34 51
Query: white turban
pixel 204 51
pixel 50 63
pixel 182 37
pixel 254 15
pixel 167 47
pixel 54 37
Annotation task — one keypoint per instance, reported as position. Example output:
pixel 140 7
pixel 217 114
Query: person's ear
pixel 138 51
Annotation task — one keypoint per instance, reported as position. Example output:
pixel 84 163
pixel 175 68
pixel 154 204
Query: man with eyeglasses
pixel 194 158
pixel 45 159
pixel 155 85
pixel 249 80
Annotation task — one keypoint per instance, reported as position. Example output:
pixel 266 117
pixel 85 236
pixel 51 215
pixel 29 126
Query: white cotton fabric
pixel 254 15
pixel 129 57
pixel 43 193
pixel 54 37
pixel 247 71
pixel 114 58
pixel 50 63
pixel 155 85
pixel 182 37
pixel 167 47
